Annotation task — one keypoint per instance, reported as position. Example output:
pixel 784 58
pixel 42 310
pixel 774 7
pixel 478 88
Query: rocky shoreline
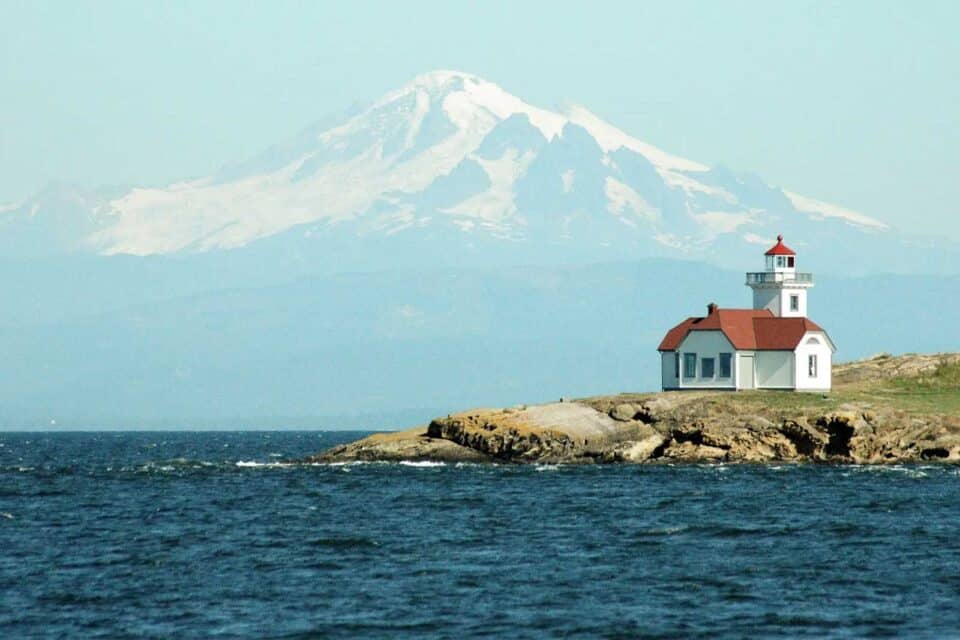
pixel 878 413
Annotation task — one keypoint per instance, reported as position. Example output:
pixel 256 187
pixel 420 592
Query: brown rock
pixel 690 452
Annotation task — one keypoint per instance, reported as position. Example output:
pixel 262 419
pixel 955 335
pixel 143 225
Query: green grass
pixel 945 378
pixel 938 392
pixel 790 403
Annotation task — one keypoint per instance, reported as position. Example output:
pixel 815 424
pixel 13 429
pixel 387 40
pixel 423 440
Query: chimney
pixel 711 308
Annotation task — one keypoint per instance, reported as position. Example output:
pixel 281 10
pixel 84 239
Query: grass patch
pixel 937 392
pixel 946 377
pixel 789 402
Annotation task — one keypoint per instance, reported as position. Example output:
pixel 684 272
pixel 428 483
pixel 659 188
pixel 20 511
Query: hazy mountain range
pixel 449 245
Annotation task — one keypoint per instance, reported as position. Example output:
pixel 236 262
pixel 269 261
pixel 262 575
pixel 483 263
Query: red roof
pixel 780 249
pixel 750 329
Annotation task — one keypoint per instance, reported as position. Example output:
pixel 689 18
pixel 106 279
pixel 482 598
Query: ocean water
pixel 198 535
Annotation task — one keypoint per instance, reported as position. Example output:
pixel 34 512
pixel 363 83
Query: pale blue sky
pixel 857 103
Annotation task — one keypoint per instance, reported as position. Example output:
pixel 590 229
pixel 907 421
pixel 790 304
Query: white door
pixel 745 371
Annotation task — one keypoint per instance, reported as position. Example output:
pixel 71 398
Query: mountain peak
pixel 466 97
pixel 467 92
pixel 441 77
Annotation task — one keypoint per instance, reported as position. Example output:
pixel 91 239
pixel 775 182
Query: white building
pixel 772 346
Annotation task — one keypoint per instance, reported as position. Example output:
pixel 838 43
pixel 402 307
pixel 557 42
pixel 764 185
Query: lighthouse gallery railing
pixel 773 276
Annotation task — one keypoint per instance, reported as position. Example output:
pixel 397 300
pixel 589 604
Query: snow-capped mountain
pixel 456 157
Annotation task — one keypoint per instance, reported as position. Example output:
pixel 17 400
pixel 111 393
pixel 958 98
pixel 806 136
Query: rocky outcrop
pixel 757 427
pixel 411 445
pixel 886 366
pixel 504 439
pixel 850 435
pixel 556 432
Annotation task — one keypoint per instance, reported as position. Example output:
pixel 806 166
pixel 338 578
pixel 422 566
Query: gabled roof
pixel 782 333
pixel 748 329
pixel 780 249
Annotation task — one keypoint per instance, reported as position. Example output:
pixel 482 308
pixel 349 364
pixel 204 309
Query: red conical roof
pixel 780 249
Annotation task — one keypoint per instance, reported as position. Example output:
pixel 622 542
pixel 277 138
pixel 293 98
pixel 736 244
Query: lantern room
pixel 781 258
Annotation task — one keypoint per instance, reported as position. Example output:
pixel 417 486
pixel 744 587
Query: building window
pixel 689 365
pixel 812 366
pixel 794 303
pixel 676 364
pixel 706 368
pixel 790 261
pixel 725 369
pixel 780 261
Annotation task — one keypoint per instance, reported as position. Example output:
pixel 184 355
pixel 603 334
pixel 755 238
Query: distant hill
pixel 388 348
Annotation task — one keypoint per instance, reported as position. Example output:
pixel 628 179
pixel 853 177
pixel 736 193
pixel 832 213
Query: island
pixel 882 410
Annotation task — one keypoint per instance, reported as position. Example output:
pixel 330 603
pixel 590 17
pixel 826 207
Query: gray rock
pixel 623 412
pixel 639 451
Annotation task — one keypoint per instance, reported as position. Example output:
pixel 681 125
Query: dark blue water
pixel 177 535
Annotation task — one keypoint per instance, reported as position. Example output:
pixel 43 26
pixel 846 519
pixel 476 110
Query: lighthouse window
pixel 812 366
pixel 794 303
pixel 725 360
pixel 689 365
pixel 706 367
pixel 790 261
pixel 779 261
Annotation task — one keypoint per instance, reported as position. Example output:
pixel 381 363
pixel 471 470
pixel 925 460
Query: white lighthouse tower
pixel 781 288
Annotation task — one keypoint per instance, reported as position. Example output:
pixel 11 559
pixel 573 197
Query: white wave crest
pixel 547 467
pixel 255 465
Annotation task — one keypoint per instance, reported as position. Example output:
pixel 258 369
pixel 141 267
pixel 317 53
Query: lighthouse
pixel 774 345
pixel 780 288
